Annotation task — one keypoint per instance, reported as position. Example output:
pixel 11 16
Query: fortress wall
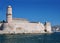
pixel 0 24
pixel 4 28
pixel 29 27
pixel 25 27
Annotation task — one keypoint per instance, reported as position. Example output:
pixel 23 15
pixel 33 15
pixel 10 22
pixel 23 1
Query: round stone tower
pixel 47 26
pixel 9 14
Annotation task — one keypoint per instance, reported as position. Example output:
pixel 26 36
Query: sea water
pixel 30 38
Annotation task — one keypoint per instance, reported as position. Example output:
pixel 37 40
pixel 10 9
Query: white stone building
pixel 20 25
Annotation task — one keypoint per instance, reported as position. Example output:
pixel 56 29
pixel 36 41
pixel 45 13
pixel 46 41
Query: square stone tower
pixel 47 26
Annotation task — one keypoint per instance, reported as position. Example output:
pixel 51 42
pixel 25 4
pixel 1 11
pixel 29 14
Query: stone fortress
pixel 20 25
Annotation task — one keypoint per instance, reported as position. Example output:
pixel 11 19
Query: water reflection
pixel 30 38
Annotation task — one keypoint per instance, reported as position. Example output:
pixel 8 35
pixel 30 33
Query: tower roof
pixel 9 6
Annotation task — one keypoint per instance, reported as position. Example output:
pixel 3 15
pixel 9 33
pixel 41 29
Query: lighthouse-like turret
pixel 9 14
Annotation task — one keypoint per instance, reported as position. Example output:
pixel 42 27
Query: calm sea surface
pixel 30 38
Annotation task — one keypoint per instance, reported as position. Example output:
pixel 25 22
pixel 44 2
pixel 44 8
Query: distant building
pixel 20 25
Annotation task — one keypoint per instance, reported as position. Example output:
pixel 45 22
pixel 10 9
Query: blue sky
pixel 33 10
